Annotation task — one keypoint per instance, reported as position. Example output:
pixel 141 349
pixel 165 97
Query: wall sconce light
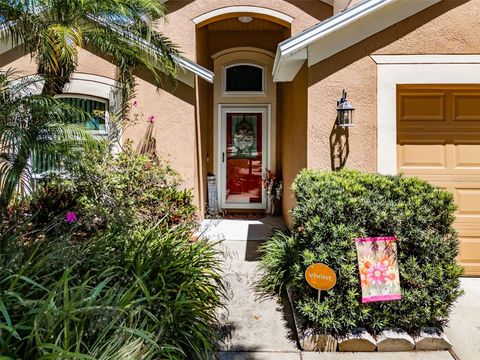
pixel 344 111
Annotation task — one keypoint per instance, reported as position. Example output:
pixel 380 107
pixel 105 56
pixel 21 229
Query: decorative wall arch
pixel 101 87
pixel 93 85
pixel 232 11
pixel 243 49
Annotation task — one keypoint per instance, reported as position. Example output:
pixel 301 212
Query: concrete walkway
pixel 250 324
pixel 464 327
pixel 261 329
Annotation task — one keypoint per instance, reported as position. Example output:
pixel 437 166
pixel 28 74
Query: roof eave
pixel 285 68
pixel 340 32
pixel 188 69
pixel 193 67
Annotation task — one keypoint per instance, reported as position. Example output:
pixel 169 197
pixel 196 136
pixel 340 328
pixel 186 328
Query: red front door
pixel 244 159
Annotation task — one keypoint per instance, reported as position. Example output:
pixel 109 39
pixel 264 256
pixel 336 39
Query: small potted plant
pixel 274 190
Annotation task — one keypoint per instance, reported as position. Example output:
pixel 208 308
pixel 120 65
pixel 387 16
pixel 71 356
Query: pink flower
pixel 151 118
pixel 377 273
pixel 135 103
pixel 71 217
pixel 392 278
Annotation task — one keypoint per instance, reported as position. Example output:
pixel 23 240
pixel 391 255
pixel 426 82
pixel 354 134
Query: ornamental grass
pixel 84 275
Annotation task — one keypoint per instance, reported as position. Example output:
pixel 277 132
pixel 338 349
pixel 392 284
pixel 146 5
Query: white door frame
pixel 223 109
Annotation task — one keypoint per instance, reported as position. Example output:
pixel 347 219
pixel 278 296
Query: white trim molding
pixel 242 9
pixel 341 31
pixel 223 109
pixel 243 49
pixel 191 68
pixel 89 84
pixel 393 70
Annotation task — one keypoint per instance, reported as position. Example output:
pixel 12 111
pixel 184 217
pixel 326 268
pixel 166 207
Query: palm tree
pixel 35 129
pixel 52 31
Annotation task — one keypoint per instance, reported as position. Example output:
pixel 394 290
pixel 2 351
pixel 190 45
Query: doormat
pixel 378 267
pixel 243 216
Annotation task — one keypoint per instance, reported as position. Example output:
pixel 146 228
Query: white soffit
pixel 189 66
pixel 340 32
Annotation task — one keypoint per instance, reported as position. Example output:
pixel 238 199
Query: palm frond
pixel 36 132
pixel 53 30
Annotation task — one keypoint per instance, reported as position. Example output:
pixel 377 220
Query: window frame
pixel 95 133
pixel 243 93
pixel 99 134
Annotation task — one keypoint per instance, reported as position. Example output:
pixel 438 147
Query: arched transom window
pixel 244 78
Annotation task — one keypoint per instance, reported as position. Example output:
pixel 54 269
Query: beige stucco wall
pixel 180 28
pixel 327 144
pixel 23 65
pixel 173 109
pixel 445 28
pixel 294 131
pixel 174 127
pixel 87 63
pixel 222 40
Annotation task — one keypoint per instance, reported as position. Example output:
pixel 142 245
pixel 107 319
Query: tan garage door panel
pixel 439 141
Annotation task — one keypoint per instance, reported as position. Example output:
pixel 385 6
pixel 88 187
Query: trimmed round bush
pixel 333 209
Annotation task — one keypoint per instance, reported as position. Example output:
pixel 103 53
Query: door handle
pixel 223 157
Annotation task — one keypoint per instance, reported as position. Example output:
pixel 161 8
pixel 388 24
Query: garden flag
pixel 378 266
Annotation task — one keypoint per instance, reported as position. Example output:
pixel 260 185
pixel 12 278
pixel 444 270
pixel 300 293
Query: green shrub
pixel 122 281
pixel 116 193
pixel 150 296
pixel 334 208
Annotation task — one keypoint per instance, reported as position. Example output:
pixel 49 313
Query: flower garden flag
pixel 378 266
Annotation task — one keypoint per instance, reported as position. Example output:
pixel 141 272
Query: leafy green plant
pixel 103 265
pixel 146 296
pixel 335 208
pixel 119 192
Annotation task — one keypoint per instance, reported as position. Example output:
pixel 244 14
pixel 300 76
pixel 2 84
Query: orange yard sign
pixel 320 277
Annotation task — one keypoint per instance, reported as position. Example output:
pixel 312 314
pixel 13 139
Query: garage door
pixel 438 140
